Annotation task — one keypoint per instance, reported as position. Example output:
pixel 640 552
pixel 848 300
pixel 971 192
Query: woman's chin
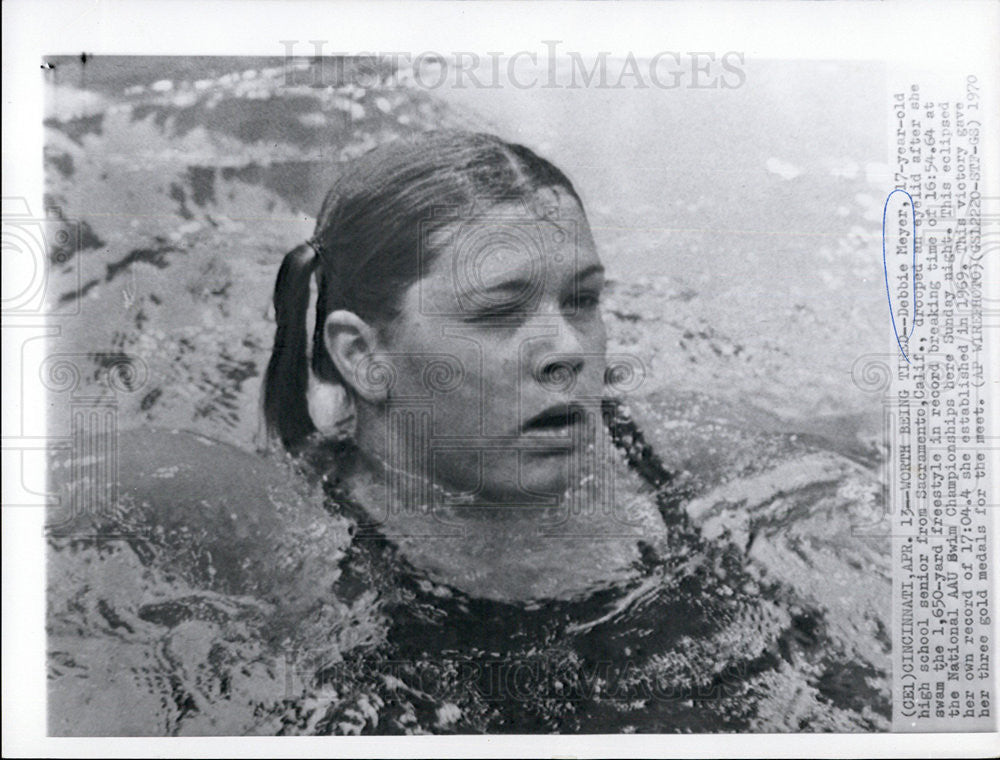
pixel 532 477
pixel 545 474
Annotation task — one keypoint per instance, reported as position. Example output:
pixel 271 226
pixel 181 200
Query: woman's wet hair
pixel 369 246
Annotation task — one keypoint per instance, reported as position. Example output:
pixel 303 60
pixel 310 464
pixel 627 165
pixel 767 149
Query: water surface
pixel 218 592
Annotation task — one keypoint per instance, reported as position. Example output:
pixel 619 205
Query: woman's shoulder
pixel 807 512
pixel 181 572
pixel 747 458
pixel 227 517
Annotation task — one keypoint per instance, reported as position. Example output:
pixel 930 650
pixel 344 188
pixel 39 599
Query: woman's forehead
pixel 540 243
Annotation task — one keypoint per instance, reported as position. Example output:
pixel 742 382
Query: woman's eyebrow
pixel 523 284
pixel 519 284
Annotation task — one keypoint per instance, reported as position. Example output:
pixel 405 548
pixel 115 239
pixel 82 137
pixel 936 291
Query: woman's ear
pixel 352 344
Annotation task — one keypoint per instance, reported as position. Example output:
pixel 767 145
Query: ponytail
pixel 286 409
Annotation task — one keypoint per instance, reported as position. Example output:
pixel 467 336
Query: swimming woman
pixel 519 558
pixel 458 320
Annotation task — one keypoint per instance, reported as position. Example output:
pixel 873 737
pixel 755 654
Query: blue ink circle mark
pixel 913 270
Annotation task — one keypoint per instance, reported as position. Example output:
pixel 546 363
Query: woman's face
pixel 499 354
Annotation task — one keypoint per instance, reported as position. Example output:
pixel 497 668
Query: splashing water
pixel 215 591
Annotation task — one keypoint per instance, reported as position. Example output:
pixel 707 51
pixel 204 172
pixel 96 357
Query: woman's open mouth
pixel 565 421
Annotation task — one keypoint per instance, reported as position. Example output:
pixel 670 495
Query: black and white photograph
pixel 539 389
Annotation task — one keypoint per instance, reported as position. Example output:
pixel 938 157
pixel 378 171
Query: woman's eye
pixel 586 301
pixel 505 312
